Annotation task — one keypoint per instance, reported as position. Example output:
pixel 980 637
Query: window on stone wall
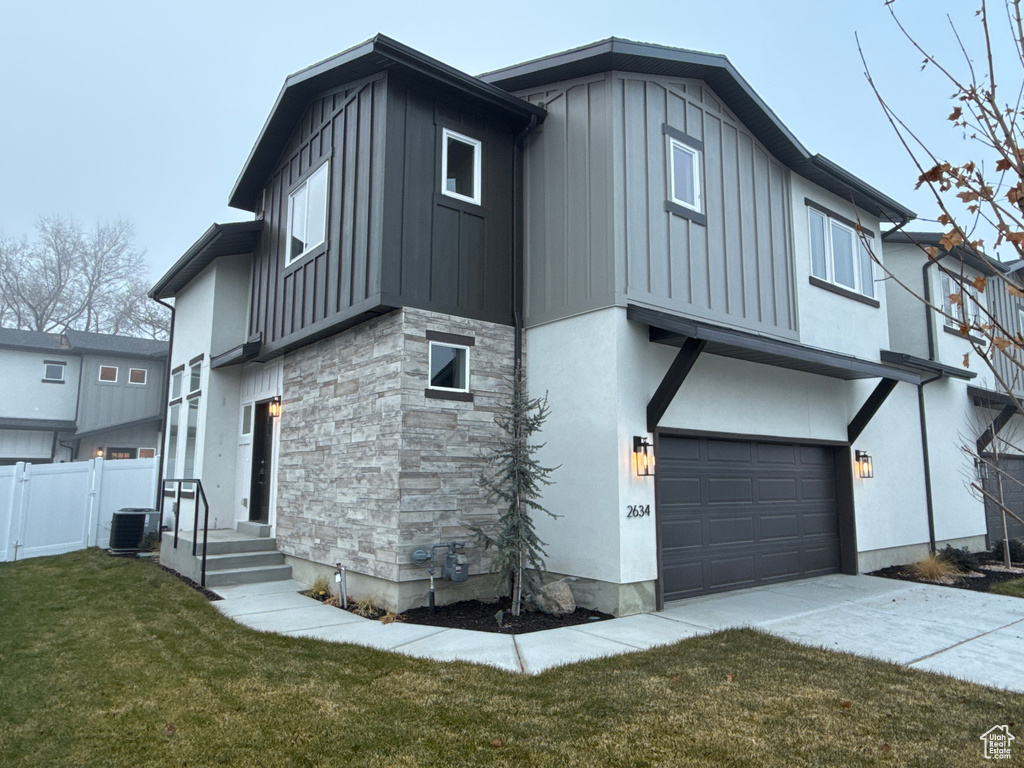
pixel 449 367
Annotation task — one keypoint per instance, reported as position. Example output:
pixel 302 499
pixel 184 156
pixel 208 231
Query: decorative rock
pixel 555 598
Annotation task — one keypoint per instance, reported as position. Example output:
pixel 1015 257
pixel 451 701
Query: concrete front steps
pixel 244 556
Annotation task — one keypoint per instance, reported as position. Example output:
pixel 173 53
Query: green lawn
pixel 1013 588
pixel 111 662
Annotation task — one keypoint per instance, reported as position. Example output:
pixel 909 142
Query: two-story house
pixel 966 412
pixel 685 281
pixel 78 395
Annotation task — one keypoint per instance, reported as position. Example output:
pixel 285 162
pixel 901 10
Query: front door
pixel 262 464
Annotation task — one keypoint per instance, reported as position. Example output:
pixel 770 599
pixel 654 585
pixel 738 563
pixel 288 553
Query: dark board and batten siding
pixel 346 128
pixel 440 253
pixel 598 232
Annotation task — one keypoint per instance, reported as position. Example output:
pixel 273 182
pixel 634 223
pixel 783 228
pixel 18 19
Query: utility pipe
pixel 927 460
pixel 517 237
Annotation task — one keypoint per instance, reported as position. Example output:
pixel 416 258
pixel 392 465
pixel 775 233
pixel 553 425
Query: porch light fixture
pixel 865 466
pixel 275 408
pixel 642 457
pixel 99 453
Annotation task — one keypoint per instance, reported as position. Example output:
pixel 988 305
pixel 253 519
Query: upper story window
pixel 460 167
pixel 685 176
pixel 684 163
pixel 307 215
pixel 195 377
pixel 53 371
pixel 838 255
pixel 449 367
pixel 966 309
pixel 137 376
pixel 108 373
pixel 176 385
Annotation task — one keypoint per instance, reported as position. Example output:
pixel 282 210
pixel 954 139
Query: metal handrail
pixel 178 481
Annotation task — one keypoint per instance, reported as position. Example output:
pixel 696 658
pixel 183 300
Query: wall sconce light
pixel 643 457
pixel 981 466
pixel 99 453
pixel 865 466
pixel 275 408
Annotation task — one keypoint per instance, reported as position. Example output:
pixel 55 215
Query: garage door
pixel 1013 497
pixel 735 514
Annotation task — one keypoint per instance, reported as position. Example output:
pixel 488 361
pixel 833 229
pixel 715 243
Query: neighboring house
pixel 964 403
pixel 78 395
pixel 679 274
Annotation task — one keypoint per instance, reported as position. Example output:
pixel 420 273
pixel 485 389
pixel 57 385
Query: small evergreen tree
pixel 514 480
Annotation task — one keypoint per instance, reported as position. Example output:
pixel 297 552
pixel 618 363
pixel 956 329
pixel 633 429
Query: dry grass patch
pixel 935 567
pixel 109 662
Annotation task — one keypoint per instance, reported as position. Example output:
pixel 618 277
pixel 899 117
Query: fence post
pixel 92 516
pixel 19 517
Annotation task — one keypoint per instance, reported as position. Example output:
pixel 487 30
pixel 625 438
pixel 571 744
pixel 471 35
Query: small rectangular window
pixel 449 367
pixel 195 377
pixel 175 385
pixel 307 215
pixel 968 305
pixel 460 166
pixel 108 373
pixel 684 175
pixel 120 453
pixel 147 453
pixel 53 371
pixel 247 420
pixel 137 376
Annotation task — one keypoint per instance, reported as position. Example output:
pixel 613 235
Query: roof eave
pixel 300 85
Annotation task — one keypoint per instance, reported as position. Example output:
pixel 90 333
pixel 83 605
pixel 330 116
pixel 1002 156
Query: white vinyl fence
pixel 49 509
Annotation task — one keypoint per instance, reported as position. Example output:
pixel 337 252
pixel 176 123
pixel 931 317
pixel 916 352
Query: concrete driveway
pixel 973 636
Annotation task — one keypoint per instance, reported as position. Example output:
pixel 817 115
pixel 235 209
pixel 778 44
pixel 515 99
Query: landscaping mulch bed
pixel 980 580
pixel 482 616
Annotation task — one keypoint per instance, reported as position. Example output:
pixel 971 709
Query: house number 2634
pixel 638 510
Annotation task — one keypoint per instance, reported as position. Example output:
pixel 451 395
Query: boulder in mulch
pixel 555 598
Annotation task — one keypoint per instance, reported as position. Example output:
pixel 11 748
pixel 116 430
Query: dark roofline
pixel 971 257
pixel 115 427
pixel 41 341
pixel 219 240
pixel 376 54
pixel 617 54
pixel 38 425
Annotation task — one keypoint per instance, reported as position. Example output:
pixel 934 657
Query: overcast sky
pixel 147 111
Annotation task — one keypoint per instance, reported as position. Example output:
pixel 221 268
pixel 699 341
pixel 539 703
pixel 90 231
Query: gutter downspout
pixel 163 421
pixel 517 238
pixel 922 413
pixel 927 459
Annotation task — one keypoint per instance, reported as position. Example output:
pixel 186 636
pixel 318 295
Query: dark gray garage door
pixel 1013 497
pixel 734 514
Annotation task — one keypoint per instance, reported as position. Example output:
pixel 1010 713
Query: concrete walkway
pixel 970 635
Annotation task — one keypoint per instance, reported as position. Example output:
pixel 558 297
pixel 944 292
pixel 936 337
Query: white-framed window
pixel 137 376
pixel 307 215
pixel 176 385
pixel 247 410
pixel 147 453
pixel 173 414
pixel 838 254
pixel 967 311
pixel 195 377
pixel 53 371
pixel 684 177
pixel 1020 320
pixel 449 367
pixel 460 166
pixel 108 374
pixel 191 434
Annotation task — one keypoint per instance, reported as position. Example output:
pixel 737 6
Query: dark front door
pixel 737 513
pixel 262 469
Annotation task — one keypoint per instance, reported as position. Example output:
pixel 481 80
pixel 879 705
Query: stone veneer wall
pixel 370 468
